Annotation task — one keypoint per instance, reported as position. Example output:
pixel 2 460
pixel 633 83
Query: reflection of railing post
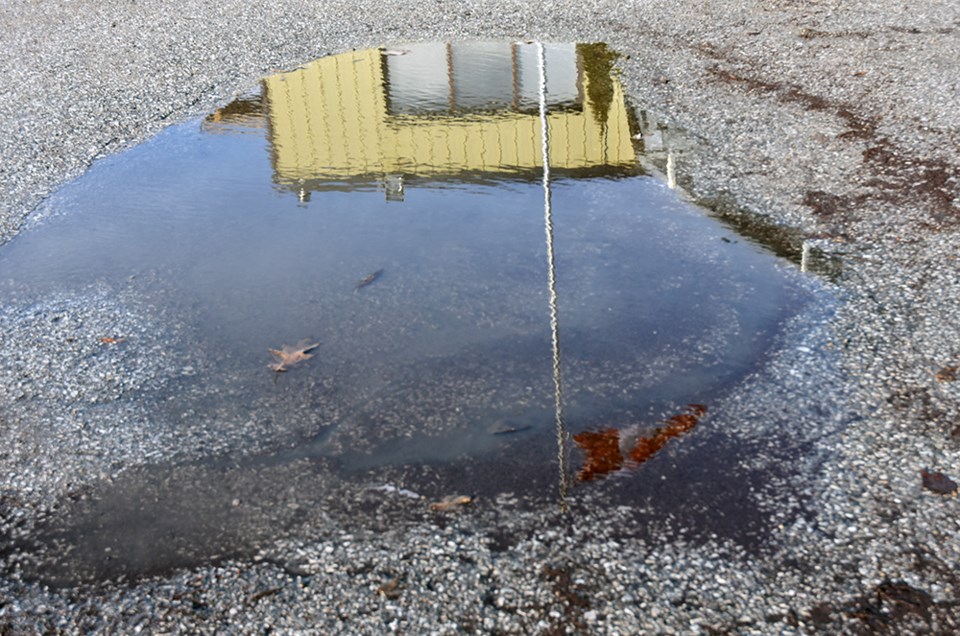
pixel 671 171
pixel 552 280
pixel 393 186
pixel 660 142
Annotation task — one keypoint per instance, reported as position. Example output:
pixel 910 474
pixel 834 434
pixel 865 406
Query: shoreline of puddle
pixel 222 548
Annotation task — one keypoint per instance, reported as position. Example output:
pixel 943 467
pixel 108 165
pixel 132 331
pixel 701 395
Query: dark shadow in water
pixel 157 518
pixel 165 517
pixel 160 518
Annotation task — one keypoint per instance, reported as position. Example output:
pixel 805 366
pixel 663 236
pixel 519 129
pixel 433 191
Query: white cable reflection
pixel 552 282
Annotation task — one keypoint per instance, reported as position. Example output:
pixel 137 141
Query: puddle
pixel 393 207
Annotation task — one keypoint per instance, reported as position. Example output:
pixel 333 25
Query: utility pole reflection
pixel 552 284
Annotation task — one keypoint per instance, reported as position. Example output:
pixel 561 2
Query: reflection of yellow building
pixel 442 111
pixel 331 120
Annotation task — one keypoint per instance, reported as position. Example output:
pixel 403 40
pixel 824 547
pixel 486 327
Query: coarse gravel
pixel 838 123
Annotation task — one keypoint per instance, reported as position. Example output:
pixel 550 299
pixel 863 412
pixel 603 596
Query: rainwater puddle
pixel 389 211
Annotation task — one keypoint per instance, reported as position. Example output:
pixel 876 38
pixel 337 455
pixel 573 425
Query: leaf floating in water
pixel 369 279
pixel 938 482
pixel 451 502
pixel 288 356
pixel 608 450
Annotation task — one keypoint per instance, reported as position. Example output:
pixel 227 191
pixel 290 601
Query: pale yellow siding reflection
pixel 329 120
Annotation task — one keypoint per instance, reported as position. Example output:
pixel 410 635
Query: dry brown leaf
pixel 938 482
pixel 390 589
pixel 451 502
pixel 947 374
pixel 288 356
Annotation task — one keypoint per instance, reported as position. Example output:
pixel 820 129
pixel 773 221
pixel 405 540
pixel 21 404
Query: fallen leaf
pixel 947 374
pixel 451 502
pixel 938 482
pixel 608 450
pixel 288 356
pixel 390 589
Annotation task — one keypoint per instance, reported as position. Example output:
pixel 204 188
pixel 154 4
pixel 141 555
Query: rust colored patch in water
pixel 610 449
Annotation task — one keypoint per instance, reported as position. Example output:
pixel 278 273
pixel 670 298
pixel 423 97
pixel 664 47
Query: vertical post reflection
pixel 552 282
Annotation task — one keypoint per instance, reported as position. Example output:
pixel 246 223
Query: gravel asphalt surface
pixel 836 122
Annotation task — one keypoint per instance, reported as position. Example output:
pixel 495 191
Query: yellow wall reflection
pixel 331 120
pixel 440 111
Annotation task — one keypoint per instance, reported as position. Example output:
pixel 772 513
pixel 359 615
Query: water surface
pixel 389 205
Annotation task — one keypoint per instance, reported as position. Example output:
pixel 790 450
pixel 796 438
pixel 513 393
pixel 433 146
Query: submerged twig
pixel 369 279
